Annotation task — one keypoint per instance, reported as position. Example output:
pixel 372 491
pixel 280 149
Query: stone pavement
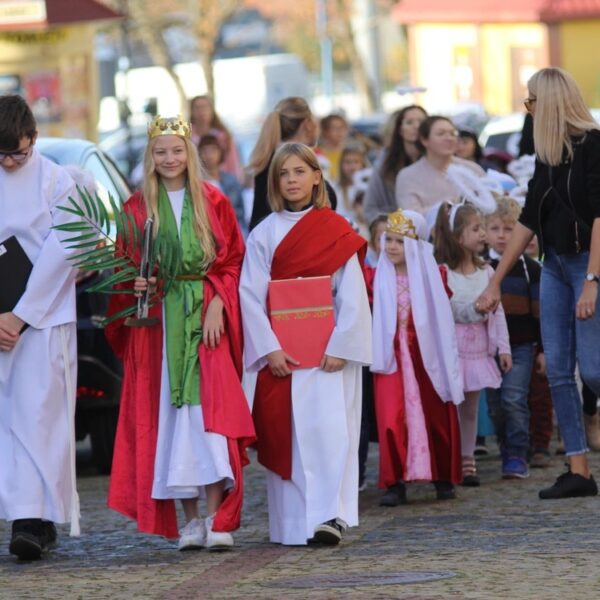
pixel 498 541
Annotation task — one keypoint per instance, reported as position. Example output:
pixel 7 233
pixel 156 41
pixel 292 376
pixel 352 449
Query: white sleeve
pixel 351 337
pixel 52 275
pixel 259 339
pixel 464 312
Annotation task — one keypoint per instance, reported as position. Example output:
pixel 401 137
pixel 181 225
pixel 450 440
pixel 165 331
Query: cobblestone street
pixel 498 541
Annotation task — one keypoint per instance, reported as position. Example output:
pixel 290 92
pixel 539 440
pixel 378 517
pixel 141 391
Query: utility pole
pixel 124 64
pixel 375 51
pixel 326 51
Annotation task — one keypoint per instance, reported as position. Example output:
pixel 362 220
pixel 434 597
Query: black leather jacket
pixel 563 201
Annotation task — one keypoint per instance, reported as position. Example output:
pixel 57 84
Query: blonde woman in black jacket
pixel 563 208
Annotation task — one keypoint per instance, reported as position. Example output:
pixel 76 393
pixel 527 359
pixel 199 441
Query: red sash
pixel 318 245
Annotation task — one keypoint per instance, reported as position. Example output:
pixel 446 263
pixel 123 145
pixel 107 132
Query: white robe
pixel 326 407
pixel 38 376
pixel 187 457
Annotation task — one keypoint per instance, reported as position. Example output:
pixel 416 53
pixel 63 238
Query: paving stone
pixel 494 542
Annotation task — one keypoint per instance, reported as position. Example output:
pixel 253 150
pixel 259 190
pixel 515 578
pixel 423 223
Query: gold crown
pixel 398 222
pixel 171 126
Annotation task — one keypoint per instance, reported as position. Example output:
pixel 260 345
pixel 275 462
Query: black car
pixel 99 371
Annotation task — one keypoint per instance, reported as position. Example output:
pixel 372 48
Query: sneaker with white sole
pixel 217 540
pixel 329 533
pixel 192 536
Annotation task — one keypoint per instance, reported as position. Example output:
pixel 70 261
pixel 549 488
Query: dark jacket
pixel 563 201
pixel 521 300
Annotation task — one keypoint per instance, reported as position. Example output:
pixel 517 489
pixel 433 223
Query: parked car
pixel 99 371
pixel 504 133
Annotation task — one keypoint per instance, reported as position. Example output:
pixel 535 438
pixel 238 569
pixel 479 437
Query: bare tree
pixel 149 27
pixel 206 18
pixel 148 22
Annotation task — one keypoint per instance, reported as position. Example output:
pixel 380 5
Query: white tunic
pixel 187 456
pixel 38 376
pixel 326 407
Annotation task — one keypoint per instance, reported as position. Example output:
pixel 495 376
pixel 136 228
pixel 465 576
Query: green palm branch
pixel 96 240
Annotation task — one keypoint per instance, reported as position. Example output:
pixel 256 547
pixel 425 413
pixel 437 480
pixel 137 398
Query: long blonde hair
pixel 306 155
pixel 194 181
pixel 560 112
pixel 281 124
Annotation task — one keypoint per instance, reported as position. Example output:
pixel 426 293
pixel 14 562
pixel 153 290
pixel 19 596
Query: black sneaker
pixel 49 534
pixel 570 485
pixel 394 495
pixel 329 533
pixel 27 541
pixel 471 481
pixel 444 490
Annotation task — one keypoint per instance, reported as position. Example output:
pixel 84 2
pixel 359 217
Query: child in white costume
pixel 316 494
pixel 37 366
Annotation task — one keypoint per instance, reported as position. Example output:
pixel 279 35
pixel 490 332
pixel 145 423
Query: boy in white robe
pixel 38 363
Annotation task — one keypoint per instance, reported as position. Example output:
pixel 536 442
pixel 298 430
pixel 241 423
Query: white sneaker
pixel 217 540
pixel 192 536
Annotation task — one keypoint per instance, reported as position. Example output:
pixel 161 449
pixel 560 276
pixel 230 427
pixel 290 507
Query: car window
pixel 107 177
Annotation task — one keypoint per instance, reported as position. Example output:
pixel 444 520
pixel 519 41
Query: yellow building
pixel 47 55
pixel 484 51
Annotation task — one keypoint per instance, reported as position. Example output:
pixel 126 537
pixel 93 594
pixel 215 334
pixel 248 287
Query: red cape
pixel 224 406
pixel 441 420
pixel 319 244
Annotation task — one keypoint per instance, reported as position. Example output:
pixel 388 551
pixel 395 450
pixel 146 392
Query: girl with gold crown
pixel 417 380
pixel 184 423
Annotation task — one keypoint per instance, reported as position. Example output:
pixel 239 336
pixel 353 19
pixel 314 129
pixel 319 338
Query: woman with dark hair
pixel 468 146
pixel 439 176
pixel 401 151
pixel 206 121
pixel 563 208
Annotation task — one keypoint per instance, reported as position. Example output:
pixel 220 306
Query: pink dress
pixel 476 348
pixel 418 459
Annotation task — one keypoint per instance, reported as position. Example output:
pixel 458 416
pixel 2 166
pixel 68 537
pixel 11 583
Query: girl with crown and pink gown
pixel 184 422
pixel 417 376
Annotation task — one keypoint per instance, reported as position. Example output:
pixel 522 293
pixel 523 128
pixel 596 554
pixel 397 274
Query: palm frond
pixel 93 236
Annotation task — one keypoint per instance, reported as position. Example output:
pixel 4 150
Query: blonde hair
pixel 560 112
pixel 508 209
pixel 447 248
pixel 194 181
pixel 306 155
pixel 280 125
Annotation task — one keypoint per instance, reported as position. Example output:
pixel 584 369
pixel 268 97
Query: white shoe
pixel 217 540
pixel 192 536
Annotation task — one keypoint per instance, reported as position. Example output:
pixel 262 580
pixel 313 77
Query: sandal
pixel 469 472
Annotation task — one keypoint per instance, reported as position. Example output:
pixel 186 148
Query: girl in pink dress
pixel 417 373
pixel 459 238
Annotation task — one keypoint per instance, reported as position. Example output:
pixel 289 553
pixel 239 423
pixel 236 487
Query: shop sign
pixel 22 12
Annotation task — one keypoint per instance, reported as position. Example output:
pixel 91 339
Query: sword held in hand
pixel 143 304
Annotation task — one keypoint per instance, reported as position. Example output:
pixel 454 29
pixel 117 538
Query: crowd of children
pixel 404 304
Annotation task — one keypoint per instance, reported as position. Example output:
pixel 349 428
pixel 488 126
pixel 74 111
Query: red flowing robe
pixel 318 245
pixel 224 406
pixel 441 420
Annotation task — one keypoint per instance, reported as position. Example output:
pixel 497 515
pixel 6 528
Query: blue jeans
pixel 568 341
pixel 509 406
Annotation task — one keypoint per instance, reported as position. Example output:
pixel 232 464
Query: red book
pixel 301 313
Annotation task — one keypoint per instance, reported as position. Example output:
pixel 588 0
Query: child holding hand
pixel 459 237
